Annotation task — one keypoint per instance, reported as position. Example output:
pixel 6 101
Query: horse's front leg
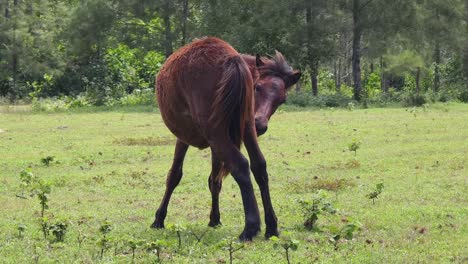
pixel 215 182
pixel 173 178
pixel 258 167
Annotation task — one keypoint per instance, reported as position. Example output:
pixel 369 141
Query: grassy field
pixel 112 165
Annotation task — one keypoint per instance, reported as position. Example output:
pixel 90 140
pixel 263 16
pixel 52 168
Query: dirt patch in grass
pixel 148 141
pixel 338 165
pixel 322 184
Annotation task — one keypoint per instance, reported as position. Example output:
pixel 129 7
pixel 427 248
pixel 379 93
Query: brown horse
pixel 211 96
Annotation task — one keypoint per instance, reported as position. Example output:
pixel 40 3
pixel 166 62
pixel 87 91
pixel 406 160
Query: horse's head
pixel 275 78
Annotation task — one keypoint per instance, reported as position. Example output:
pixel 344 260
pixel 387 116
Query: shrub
pixel 48 104
pixel 346 90
pixel 311 209
pixel 59 103
pixel 463 97
pixel 414 100
pixel 77 102
pixel 300 99
pixel 372 86
pixel 305 99
pixel 139 97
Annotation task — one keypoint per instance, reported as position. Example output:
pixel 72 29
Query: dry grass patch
pixel 321 184
pixel 148 141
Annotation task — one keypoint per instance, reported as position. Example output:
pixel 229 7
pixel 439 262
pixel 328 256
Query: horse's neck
pixel 251 62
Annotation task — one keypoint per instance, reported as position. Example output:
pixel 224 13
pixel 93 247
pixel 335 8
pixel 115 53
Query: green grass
pixel 112 165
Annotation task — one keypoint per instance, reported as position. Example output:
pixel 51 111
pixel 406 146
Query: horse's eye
pixel 257 87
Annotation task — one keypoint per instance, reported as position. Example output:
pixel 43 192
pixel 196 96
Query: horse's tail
pixel 234 99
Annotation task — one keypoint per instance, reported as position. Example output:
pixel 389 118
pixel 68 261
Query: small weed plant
pixel 59 229
pixel 375 194
pixel 133 244
pixel 311 209
pixel 104 242
pixel 47 160
pixel 156 247
pixel 178 229
pixel 285 243
pixel 231 245
pixel 21 228
pixel 354 146
pixel 344 233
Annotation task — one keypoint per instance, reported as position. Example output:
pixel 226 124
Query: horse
pixel 209 95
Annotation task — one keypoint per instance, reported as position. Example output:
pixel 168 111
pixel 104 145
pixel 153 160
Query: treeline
pixel 104 50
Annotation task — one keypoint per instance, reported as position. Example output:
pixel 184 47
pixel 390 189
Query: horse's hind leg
pixel 215 182
pixel 239 168
pixel 173 179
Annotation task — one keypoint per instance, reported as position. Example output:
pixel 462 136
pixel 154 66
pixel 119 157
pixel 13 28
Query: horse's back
pixel 186 88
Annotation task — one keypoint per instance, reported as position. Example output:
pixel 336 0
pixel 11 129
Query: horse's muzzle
pixel 261 127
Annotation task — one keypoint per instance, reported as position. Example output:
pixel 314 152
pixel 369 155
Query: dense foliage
pixel 100 51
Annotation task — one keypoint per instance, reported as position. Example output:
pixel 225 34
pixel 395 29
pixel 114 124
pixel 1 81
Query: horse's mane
pixel 274 66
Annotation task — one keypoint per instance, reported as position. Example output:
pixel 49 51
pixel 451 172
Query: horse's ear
pixel 258 60
pixel 293 78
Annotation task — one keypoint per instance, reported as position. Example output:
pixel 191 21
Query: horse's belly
pixel 185 129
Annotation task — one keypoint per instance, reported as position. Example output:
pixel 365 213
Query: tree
pixel 166 14
pixel 357 35
pixel 184 17
pixel 465 55
pixel 370 16
pixel 61 47
pixel 441 24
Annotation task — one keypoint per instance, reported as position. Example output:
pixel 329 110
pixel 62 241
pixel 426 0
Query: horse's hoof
pixel 215 224
pixel 270 233
pixel 248 234
pixel 157 225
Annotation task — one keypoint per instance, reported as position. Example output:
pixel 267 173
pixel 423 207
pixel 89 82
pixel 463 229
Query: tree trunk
pixel 465 55
pixel 356 59
pixel 298 87
pixel 167 28
pixel 383 87
pixel 29 8
pixel 313 61
pixel 347 65
pixel 335 73
pixel 338 79
pixel 185 14
pixel 314 80
pixel 418 74
pixel 436 67
pixel 7 11
pixel 15 58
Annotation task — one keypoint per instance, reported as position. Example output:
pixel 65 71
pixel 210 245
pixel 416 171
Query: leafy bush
pixel 383 99
pixel 463 96
pixel 414 100
pixel 326 82
pixel 139 97
pixel 131 68
pixel 300 99
pixel 372 86
pixel 77 102
pixel 346 90
pixel 102 89
pixel 59 103
pixel 306 99
pixel 336 100
pixel 48 104
pixel 311 209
